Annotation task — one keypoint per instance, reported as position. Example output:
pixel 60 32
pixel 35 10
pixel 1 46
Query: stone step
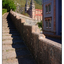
pixel 7 23
pixel 4 19
pixel 6 31
pixel 14 47
pixel 26 60
pixel 7 38
pixel 10 61
pixel 6 34
pixel 4 23
pixel 10 37
pixel 14 41
pixel 8 27
pixel 15 54
pixel 16 37
pixel 14 50
pixel 9 31
pixel 5 28
pixel 13 34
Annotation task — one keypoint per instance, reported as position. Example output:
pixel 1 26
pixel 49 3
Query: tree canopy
pixel 8 4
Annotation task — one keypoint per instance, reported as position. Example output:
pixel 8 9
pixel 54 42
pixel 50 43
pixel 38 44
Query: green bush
pixel 4 11
pixel 8 4
pixel 40 24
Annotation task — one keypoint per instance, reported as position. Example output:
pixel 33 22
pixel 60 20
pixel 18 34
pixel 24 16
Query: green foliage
pixel 38 3
pixel 8 4
pixel 38 6
pixel 40 24
pixel 4 11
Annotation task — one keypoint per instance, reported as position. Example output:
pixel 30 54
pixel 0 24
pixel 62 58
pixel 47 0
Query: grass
pixel 37 6
pixel 4 11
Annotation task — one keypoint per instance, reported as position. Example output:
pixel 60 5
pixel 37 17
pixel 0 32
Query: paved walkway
pixel 14 50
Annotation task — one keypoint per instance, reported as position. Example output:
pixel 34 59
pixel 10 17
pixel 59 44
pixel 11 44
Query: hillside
pixel 39 2
pixel 22 3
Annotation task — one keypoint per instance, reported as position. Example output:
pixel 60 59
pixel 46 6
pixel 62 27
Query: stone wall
pixel 44 51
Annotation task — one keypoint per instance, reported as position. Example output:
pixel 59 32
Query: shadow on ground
pixel 22 53
pixel 54 39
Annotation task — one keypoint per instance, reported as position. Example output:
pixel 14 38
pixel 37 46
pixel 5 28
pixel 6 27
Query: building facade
pixel 33 13
pixel 38 14
pixel 52 17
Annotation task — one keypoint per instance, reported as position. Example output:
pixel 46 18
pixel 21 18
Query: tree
pixel 8 4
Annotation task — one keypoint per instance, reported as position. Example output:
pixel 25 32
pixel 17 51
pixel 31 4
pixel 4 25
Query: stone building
pixel 34 13
pixel 52 14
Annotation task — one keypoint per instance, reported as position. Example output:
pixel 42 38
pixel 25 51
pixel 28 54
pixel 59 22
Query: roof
pixel 38 10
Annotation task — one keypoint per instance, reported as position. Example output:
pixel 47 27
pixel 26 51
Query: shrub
pixel 4 11
pixel 8 4
pixel 40 24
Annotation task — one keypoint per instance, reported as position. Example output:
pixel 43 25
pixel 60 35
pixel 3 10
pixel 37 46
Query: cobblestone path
pixel 14 51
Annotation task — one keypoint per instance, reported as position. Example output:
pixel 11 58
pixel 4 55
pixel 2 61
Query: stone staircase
pixel 13 47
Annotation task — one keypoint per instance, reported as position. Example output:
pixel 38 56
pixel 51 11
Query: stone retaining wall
pixel 45 51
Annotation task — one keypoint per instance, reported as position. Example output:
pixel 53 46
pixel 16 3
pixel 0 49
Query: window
pixel 48 22
pixel 48 8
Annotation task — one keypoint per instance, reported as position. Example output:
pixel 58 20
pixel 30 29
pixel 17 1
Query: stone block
pixel 35 29
pixel 41 36
pixel 22 20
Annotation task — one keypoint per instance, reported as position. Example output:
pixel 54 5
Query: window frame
pixel 48 20
pixel 46 9
pixel 47 5
pixel 49 23
pixel 46 23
